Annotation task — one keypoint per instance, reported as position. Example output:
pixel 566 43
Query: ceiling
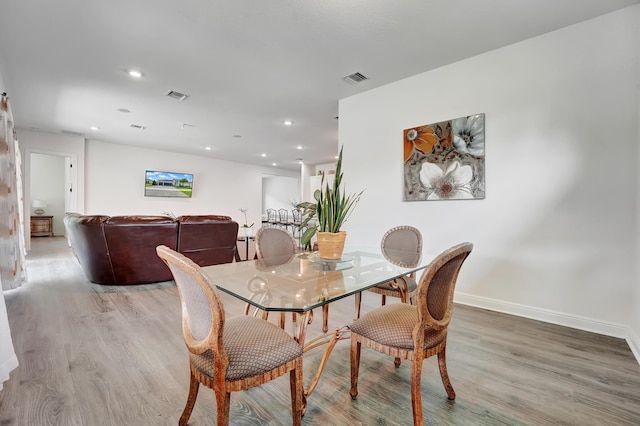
pixel 247 65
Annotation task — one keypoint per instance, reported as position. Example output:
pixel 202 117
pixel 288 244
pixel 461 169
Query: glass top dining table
pixel 304 281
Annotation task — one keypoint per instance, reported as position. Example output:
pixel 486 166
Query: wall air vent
pixel 177 95
pixel 137 126
pixel 355 78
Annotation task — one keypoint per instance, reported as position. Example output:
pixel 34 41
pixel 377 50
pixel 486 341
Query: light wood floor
pixel 109 355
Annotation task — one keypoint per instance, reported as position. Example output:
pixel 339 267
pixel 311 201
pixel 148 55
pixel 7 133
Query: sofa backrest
pixel 208 240
pixel 132 242
pixel 88 244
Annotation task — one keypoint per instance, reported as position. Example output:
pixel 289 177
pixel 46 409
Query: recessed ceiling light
pixel 208 148
pixel 336 157
pixel 288 122
pixel 299 147
pixel 123 110
pixel 94 128
pixel 263 155
pixel 274 164
pixel 135 73
pixel 237 136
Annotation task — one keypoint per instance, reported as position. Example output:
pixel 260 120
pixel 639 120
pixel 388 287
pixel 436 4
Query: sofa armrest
pixel 86 236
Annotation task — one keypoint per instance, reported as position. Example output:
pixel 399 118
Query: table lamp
pixel 38 206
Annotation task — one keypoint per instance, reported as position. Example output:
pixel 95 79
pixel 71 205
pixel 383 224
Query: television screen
pixel 168 184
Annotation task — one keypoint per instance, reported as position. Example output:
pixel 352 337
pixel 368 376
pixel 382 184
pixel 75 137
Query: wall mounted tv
pixel 168 184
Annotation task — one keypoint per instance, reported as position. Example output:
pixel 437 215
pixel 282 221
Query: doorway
pixel 51 188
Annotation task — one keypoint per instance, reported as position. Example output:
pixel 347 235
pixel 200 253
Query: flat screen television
pixel 168 184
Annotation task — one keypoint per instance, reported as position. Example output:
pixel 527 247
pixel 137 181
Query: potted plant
pixel 248 229
pixel 330 211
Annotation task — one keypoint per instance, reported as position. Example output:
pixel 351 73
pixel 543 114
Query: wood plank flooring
pixel 110 355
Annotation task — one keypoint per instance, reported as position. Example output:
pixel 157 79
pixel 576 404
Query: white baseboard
pixel 634 343
pixel 553 317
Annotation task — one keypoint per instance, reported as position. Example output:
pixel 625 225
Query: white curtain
pixel 8 359
pixel 12 244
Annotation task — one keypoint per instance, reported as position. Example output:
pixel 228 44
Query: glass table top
pixel 305 281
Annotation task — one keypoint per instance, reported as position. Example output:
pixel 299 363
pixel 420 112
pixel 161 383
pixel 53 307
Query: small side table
pixel 42 226
pixel 246 245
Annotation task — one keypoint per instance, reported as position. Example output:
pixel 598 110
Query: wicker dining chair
pixel 232 354
pixel 277 243
pixel 415 332
pixel 401 245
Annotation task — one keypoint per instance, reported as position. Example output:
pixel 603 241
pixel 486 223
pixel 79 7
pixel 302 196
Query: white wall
pixel 555 238
pixel 280 193
pixel 115 183
pixel 48 184
pixel 634 340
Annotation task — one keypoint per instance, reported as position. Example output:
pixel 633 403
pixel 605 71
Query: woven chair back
pixel 437 284
pixel 402 245
pixel 202 310
pixel 274 242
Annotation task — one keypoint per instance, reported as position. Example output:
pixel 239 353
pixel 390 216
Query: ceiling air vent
pixel 177 95
pixel 71 132
pixel 137 126
pixel 355 78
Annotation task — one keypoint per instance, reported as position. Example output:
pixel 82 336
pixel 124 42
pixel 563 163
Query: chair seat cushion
pixel 411 284
pixel 254 347
pixel 392 325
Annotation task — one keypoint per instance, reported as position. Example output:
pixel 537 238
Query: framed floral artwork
pixel 445 160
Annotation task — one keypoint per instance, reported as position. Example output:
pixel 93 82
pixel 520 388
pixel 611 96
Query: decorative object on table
pixel 248 229
pixel 445 160
pixel 168 184
pixel 38 207
pixel 332 208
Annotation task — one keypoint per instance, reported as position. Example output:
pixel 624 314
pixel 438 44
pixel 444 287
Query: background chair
pixel 272 217
pixel 283 219
pixel 274 242
pixel 296 222
pixel 277 243
pixel 401 245
pixel 229 355
pixel 414 332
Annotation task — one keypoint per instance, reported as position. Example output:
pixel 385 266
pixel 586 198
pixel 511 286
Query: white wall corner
pixel 553 317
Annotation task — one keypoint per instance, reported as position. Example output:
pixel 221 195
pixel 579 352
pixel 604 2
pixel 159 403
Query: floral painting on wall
pixel 445 160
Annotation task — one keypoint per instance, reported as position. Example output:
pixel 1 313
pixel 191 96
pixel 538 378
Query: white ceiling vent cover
pixel 177 95
pixel 355 78
pixel 71 132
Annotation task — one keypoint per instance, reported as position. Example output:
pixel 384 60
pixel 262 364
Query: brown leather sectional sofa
pixel 121 250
